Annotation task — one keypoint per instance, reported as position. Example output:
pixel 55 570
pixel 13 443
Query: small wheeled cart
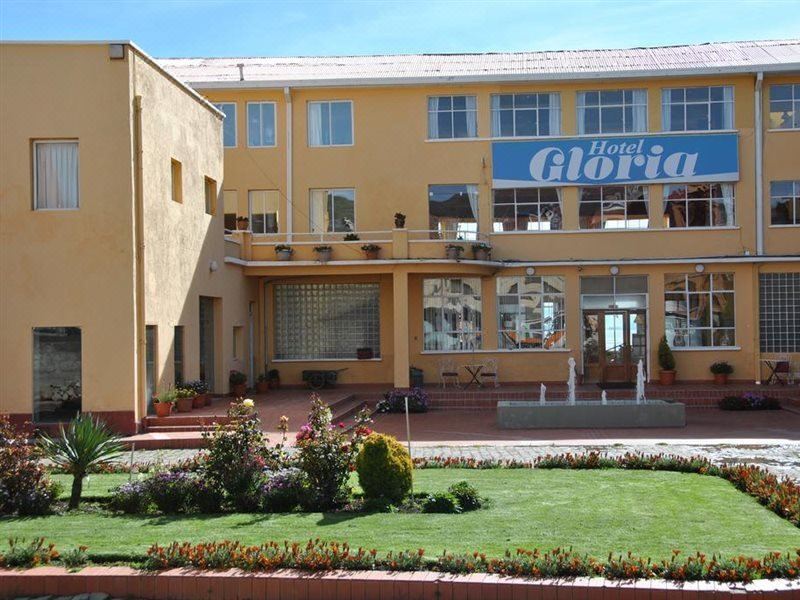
pixel 320 378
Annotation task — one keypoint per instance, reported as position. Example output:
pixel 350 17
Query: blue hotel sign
pixel 616 160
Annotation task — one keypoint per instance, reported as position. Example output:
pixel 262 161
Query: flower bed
pixel 749 401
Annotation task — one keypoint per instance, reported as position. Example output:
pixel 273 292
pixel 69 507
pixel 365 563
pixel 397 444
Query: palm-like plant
pixel 86 442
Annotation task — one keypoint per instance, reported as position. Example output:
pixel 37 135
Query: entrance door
pixel 614 342
pixel 207 341
pixel 150 365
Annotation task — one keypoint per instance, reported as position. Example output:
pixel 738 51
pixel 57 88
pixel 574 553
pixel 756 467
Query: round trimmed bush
pixel 384 468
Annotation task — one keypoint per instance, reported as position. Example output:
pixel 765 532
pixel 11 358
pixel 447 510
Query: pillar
pixel 400 322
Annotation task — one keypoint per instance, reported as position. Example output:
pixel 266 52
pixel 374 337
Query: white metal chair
pixel 448 373
pixel 489 371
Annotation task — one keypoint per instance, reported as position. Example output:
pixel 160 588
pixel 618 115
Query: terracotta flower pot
pixel 198 401
pixel 184 405
pixel 721 378
pixel 284 255
pixel 163 409
pixel 206 399
pixel 371 254
pixel 481 254
pixel 324 255
pixel 275 383
pixel 239 390
pixel 242 224
pixel 453 253
pixel 262 387
pixel 666 377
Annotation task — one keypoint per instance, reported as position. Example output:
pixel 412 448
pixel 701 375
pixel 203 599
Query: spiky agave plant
pixel 85 443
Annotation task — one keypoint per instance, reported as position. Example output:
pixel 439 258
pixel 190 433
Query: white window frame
pixel 330 124
pixel 446 294
pixel 626 201
pixel 539 202
pixel 451 110
pixel 37 143
pixel 219 106
pixel 795 199
pixel 709 199
pixel 274 122
pixel 710 293
pixel 795 100
pixel 579 95
pixel 666 103
pixel 328 192
pixel 514 110
pixel 520 280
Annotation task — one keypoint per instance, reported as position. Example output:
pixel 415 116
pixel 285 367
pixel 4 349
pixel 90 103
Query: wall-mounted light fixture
pixel 530 271
pixel 213 266
pixel 699 268
pixel 614 270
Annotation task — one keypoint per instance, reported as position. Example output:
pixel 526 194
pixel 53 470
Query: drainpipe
pixel 287 95
pixel 138 240
pixel 759 138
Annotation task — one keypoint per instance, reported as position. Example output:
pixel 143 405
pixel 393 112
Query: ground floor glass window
pixel 56 373
pixel 316 321
pixel 452 314
pixel 699 310
pixel 530 313
pixel 779 312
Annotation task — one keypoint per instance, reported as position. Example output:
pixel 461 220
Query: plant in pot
pixel 351 237
pixel 284 252
pixel 667 363
pixel 453 251
pixel 481 251
pixel 184 400
pixel 399 221
pixel 163 402
pixel 274 378
pixel 200 388
pixel 364 353
pixel 721 370
pixel 238 382
pixel 371 251
pixel 242 223
pixel 323 253
pixel 262 383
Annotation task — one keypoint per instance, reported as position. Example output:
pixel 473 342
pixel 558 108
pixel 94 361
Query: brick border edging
pixel 188 584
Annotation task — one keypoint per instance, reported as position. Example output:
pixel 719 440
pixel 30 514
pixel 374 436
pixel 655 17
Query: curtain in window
pixel 555 114
pixel 433 118
pixel 56 175
pixel 472 116
pixel 727 95
pixel 315 124
pixel 581 113
pixel 472 193
pixel 495 110
pixel 318 211
pixel 728 203
pixel 666 116
pixel 639 110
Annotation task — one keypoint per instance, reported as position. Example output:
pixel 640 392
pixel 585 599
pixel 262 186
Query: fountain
pixel 542 390
pixel 640 382
pixel 571 381
pixel 604 398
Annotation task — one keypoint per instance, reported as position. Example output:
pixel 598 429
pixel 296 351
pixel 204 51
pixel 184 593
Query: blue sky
pixel 249 27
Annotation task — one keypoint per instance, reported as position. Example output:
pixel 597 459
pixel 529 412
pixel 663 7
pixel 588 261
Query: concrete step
pixel 174 428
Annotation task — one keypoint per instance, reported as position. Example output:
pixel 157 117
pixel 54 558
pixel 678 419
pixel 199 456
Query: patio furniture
pixel 489 372
pixel 474 374
pixel 780 370
pixel 448 373
pixel 320 378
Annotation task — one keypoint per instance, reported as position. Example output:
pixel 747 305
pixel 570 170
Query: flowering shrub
pixel 198 386
pixel 394 401
pixel 25 488
pixel 204 496
pixel 32 554
pixel 284 490
pixel 171 492
pixel 326 453
pixel 130 498
pixel 749 401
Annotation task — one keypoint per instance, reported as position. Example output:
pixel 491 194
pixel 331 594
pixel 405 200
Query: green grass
pixel 649 513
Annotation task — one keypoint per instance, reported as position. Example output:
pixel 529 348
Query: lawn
pixel 649 513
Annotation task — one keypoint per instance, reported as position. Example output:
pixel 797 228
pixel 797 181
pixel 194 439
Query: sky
pixel 185 28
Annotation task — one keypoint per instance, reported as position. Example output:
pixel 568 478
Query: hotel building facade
pixel 601 199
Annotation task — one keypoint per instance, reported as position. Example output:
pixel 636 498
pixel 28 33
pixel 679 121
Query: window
pixel 260 124
pixel 784 106
pixel 527 209
pixel 238 342
pixel 176 181
pixel 230 204
pixel 333 210
pixel 779 312
pixel 516 115
pixel 228 124
pixel 453 211
pixel 264 210
pixel 55 182
pixel 56 373
pixel 211 195
pixel 697 108
pixel 612 111
pixel 319 321
pixel 699 310
pixel 699 205
pixel 530 313
pixel 177 354
pixel 330 123
pixel 614 207
pixel 785 202
pixel 452 117
pixel 451 314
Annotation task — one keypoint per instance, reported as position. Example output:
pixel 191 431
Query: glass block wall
pixel 779 301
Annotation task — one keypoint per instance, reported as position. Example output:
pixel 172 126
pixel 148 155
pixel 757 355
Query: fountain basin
pixel 525 414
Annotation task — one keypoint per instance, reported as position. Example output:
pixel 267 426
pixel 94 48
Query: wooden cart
pixel 320 378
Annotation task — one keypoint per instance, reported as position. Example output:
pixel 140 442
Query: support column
pixel 400 322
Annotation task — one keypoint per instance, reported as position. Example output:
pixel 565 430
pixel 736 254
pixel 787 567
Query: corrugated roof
pixel 776 55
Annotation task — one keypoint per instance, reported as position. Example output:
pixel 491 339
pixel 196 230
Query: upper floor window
pixel 612 111
pixel 699 205
pixel 452 117
pixel 55 175
pixel 518 115
pixel 699 310
pixel 228 123
pixel 210 187
pixel 697 108
pixel 333 210
pixel 527 209
pixel 614 207
pixel 330 123
pixel 453 211
pixel 264 209
pixel 230 204
pixel 785 202
pixel 784 106
pixel 530 313
pixel 260 124
pixel 176 180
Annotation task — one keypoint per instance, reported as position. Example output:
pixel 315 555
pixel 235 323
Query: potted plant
pixel 667 363
pixel 274 378
pixel 721 370
pixel 163 403
pixel 364 353
pixel 184 400
pixel 262 383
pixel 399 221
pixel 371 251
pixel 242 223
pixel 453 251
pixel 481 251
pixel 323 253
pixel 238 382
pixel 200 388
pixel 284 252
pixel 351 237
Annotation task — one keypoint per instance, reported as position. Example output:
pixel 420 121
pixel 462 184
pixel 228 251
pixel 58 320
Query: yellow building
pixel 621 195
